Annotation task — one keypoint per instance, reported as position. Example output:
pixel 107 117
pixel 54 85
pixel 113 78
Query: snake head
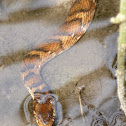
pixel 44 110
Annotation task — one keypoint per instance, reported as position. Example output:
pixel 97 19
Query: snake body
pixel 75 25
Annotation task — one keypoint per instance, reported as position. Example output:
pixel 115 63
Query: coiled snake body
pixel 78 20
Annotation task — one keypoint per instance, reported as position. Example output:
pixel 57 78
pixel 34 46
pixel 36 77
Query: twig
pixel 79 89
pixel 121 18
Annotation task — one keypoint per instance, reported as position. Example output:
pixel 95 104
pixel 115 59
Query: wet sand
pixel 25 24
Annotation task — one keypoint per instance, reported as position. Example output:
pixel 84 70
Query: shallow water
pixel 24 24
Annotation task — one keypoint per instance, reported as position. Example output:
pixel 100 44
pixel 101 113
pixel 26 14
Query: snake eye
pixel 51 115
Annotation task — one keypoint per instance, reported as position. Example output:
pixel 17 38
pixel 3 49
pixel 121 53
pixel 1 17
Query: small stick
pixel 79 89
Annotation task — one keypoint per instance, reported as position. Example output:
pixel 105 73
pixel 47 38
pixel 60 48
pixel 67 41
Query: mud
pixel 25 24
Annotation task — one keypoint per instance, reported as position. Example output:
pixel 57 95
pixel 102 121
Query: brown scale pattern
pixel 75 25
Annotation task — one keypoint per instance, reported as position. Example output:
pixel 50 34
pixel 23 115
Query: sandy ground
pixel 26 23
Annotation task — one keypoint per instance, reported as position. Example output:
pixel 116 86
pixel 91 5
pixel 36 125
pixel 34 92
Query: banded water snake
pixel 75 25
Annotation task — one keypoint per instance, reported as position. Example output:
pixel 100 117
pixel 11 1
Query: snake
pixel 75 25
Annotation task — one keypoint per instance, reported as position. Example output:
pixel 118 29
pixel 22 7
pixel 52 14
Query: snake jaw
pixel 44 110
